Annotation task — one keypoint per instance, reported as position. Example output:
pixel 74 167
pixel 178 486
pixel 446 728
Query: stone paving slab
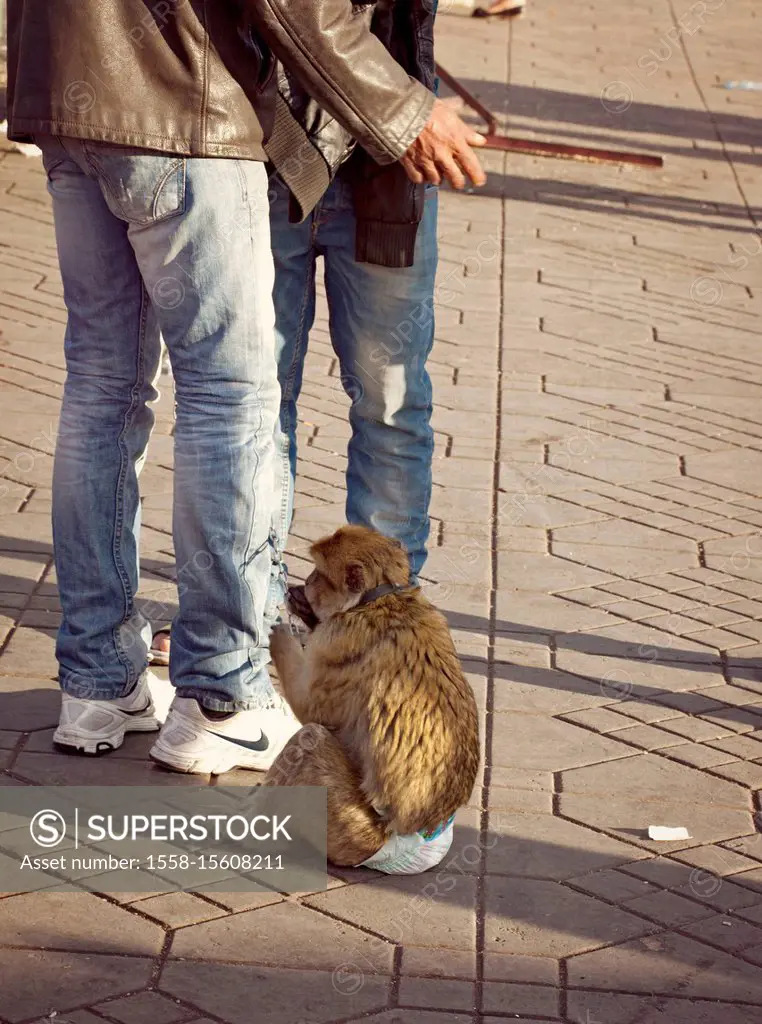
pixel 596 520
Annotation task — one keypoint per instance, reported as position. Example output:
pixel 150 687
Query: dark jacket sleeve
pixel 327 45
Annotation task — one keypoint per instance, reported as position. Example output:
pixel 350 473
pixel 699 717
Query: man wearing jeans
pixel 152 118
pixel 377 233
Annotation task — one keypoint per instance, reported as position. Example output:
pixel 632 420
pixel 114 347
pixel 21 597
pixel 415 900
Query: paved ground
pixel 596 543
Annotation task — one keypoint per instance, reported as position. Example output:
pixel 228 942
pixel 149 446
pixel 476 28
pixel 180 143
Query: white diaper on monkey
pixel 411 855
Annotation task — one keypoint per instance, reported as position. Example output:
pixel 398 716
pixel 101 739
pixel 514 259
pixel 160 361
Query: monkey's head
pixel 348 564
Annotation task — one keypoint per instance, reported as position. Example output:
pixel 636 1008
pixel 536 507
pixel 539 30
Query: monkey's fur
pixel 389 722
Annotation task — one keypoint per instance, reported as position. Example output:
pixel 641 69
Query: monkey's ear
pixel 320 548
pixel 354 575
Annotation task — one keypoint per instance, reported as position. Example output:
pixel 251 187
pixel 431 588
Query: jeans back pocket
pixel 140 187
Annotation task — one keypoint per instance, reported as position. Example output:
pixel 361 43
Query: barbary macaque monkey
pixel 389 722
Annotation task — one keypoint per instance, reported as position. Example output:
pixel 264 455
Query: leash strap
pixel 386 588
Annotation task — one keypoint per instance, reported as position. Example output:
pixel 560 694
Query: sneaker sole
pixel 211 763
pixel 71 743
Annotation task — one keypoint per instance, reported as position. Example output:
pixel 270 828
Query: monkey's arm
pixel 293 669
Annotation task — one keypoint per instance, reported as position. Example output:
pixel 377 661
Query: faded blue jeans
pixel 382 330
pixel 150 243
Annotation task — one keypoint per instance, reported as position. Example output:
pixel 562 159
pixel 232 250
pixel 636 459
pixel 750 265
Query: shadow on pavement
pixel 636 205
pixel 624 114
pixel 551 110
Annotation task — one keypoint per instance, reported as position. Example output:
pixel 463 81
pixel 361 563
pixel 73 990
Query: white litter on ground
pixel 753 86
pixel 665 834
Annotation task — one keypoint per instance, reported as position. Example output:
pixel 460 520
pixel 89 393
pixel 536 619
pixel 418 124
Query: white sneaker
pixel 98 726
pixel 190 741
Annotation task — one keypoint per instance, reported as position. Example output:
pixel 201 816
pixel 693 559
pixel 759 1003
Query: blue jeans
pixel 151 243
pixel 382 330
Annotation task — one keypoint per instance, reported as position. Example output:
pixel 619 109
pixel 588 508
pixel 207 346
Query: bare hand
pixel 444 150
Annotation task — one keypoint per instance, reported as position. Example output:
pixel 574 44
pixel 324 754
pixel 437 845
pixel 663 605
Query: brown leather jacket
pixel 197 76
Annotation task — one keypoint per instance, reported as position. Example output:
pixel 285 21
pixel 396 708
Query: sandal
pixel 510 12
pixel 160 655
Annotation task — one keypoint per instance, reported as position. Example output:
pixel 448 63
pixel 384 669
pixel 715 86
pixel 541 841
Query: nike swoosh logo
pixel 259 745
